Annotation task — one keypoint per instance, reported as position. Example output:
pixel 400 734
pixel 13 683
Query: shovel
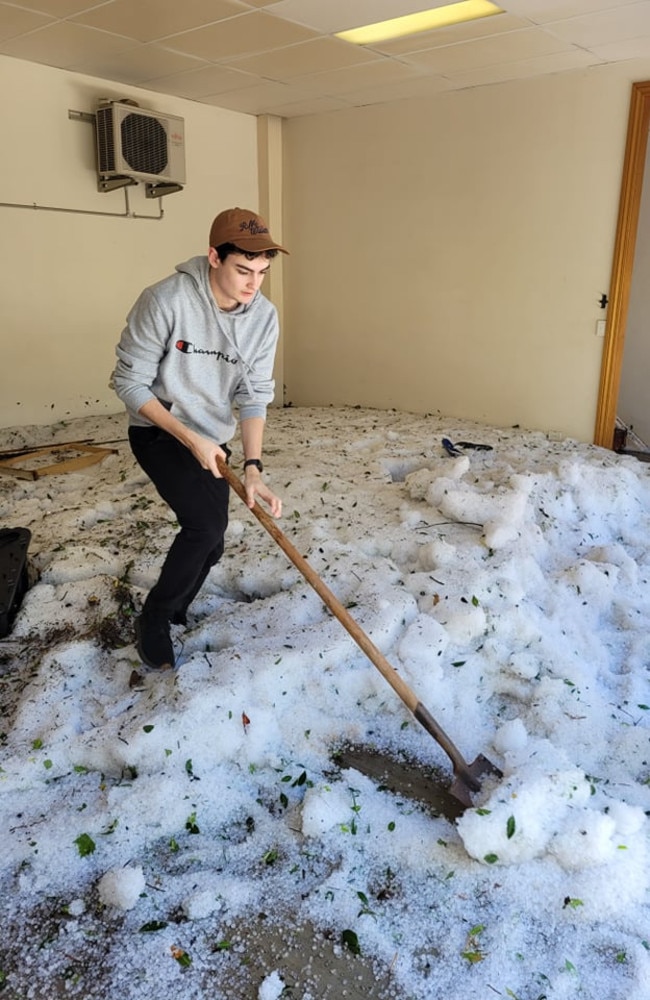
pixel 466 776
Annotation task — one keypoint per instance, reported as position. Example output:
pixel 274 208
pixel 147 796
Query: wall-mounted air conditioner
pixel 136 144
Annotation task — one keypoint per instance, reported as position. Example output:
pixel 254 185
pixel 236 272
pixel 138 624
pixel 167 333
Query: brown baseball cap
pixel 246 229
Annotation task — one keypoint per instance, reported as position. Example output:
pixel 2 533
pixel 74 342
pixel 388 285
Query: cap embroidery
pixel 253 227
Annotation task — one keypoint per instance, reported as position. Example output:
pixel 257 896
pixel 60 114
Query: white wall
pixel 451 252
pixel 67 280
pixel 634 394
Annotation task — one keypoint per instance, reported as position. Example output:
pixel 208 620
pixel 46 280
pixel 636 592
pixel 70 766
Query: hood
pixel 198 268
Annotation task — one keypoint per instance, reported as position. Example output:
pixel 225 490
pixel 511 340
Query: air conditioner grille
pixel 105 143
pixel 144 144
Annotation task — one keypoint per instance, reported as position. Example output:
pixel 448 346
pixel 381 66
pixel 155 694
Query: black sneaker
pixel 153 641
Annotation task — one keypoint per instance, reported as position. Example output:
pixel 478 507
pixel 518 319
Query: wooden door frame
pixel 623 264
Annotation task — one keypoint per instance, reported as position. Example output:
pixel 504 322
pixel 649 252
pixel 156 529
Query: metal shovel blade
pixel 468 779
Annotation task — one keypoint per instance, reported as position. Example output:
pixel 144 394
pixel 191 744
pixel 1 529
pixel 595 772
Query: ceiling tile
pixel 310 106
pixel 631 48
pixel 337 15
pixel 488 51
pixel 150 19
pixel 309 57
pixel 631 21
pixel 541 11
pixel 482 28
pixel 57 8
pixel 64 44
pixel 246 33
pixel 208 81
pixel 135 66
pixel 421 86
pixel 14 21
pixel 385 71
pixel 259 99
pixel 520 69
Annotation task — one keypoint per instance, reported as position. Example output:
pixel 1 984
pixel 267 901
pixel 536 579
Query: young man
pixel 197 344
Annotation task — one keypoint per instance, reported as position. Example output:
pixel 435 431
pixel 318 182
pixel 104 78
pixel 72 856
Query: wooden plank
pixel 30 449
pixel 90 456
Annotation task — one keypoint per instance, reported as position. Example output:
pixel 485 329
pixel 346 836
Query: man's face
pixel 236 280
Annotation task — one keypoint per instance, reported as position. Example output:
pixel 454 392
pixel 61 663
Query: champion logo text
pixel 185 347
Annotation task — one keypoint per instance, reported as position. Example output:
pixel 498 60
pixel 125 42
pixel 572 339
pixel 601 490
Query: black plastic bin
pixel 14 580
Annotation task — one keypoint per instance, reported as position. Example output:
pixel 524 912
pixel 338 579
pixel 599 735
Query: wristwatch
pixel 254 461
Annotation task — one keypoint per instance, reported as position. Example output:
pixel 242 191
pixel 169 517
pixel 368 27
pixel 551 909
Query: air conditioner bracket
pixel 114 183
pixel 160 190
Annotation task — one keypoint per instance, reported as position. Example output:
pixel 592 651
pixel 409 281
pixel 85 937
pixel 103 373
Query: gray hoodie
pixel 181 349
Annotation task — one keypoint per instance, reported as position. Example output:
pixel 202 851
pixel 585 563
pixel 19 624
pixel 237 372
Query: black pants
pixel 200 502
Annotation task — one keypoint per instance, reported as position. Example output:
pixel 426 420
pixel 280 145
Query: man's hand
pixel 256 488
pixel 205 452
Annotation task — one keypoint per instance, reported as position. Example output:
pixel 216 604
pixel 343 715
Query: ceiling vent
pixel 135 144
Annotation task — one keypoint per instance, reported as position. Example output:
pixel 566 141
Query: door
pixel 623 264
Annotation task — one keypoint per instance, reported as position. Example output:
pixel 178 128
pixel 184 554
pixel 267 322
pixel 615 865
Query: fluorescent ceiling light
pixel 426 20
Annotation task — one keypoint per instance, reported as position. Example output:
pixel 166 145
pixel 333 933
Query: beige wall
pixel 447 254
pixel 67 280
pixel 450 253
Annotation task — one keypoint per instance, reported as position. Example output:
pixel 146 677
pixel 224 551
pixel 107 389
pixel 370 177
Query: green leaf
pixel 491 858
pixel 391 826
pixel 222 946
pixel 47 764
pixel 182 957
pixel 152 926
pixel 351 941
pixel 191 824
pixel 459 663
pixel 645 708
pixel 478 929
pixel 85 845
pixel 573 903
pixel 364 899
pixel 475 602
pixel 37 744
pixel 472 956
pixel 483 812
pixel 148 729
pixel 510 827
pixel 569 966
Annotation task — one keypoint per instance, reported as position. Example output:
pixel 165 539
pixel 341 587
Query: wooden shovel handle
pixel 376 657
